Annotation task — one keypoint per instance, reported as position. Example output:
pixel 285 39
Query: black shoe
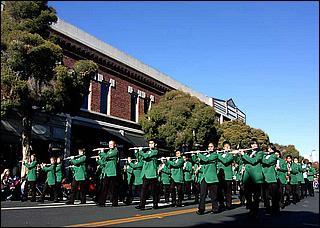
pixel 214 212
pixel 180 205
pixel 140 208
pixel 155 207
pixel 200 212
pixel 173 205
pixel 68 202
pixel 115 205
pixel 82 203
pixel 33 200
pixel 56 201
pixel 40 201
pixel 101 205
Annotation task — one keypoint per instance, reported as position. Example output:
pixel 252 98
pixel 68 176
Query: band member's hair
pixel 254 141
pixel 114 142
pixel 289 156
pixel 226 142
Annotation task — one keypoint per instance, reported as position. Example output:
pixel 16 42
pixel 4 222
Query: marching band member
pixel 300 178
pixel 164 173
pixel 31 179
pixel 270 178
pixel 79 176
pixel 58 173
pixel 252 178
pixel 209 180
pixel 281 170
pixel 130 178
pixel 187 175
pixel 108 161
pixel 149 175
pixel 225 177
pixel 136 172
pixel 310 172
pixel 294 171
pixel 50 184
pixel 176 167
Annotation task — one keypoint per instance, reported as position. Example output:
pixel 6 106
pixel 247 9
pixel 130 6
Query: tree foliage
pixel 288 150
pixel 180 119
pixel 240 134
pixel 30 72
pixel 32 77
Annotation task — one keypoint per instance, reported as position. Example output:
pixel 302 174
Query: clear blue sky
pixel 263 55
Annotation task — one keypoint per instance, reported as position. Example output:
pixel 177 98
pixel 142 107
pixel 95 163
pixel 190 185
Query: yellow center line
pixel 138 218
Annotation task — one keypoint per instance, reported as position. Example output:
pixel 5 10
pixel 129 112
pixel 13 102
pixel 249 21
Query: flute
pixel 70 157
pixel 97 156
pixel 101 148
pixel 137 148
pixel 126 159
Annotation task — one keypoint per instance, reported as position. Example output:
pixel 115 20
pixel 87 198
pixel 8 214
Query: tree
pixel 32 78
pixel 288 150
pixel 240 134
pixel 180 119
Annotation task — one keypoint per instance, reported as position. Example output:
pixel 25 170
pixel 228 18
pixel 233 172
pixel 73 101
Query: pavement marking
pixel 139 217
pixel 135 218
pixel 49 206
pixel 310 224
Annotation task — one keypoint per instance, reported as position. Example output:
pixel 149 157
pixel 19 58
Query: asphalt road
pixel 28 214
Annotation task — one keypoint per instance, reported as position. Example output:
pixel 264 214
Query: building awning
pixel 132 138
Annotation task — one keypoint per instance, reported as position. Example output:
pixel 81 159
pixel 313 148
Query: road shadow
pixel 284 219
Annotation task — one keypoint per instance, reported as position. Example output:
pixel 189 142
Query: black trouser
pixel 196 191
pixel 287 194
pixel 109 184
pixel 179 187
pixel 51 189
pixel 166 191
pixel 187 188
pixel 74 188
pixel 272 193
pixel 304 189
pixel 225 193
pixel 252 193
pixel 33 185
pixel 295 193
pixel 281 192
pixel 146 184
pixel 310 187
pixel 234 186
pixel 59 190
pixel 136 190
pixel 212 188
pixel 99 189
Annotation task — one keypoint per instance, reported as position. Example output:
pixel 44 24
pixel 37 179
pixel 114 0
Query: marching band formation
pixel 258 175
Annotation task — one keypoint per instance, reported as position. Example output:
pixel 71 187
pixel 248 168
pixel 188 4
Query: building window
pixel 85 102
pixel 134 97
pixel 104 97
pixel 146 105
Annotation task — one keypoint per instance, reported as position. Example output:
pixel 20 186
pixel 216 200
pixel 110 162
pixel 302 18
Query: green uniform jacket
pixel 253 169
pixel 129 171
pixel 187 171
pixel 109 160
pixel 51 178
pixel 59 173
pixel 176 167
pixel 283 171
pixel 311 173
pixel 149 158
pixel 209 162
pixel 268 168
pixel 300 174
pixel 79 169
pixel 165 173
pixel 137 168
pixel 225 165
pixel 199 176
pixel 294 173
pixel 32 170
